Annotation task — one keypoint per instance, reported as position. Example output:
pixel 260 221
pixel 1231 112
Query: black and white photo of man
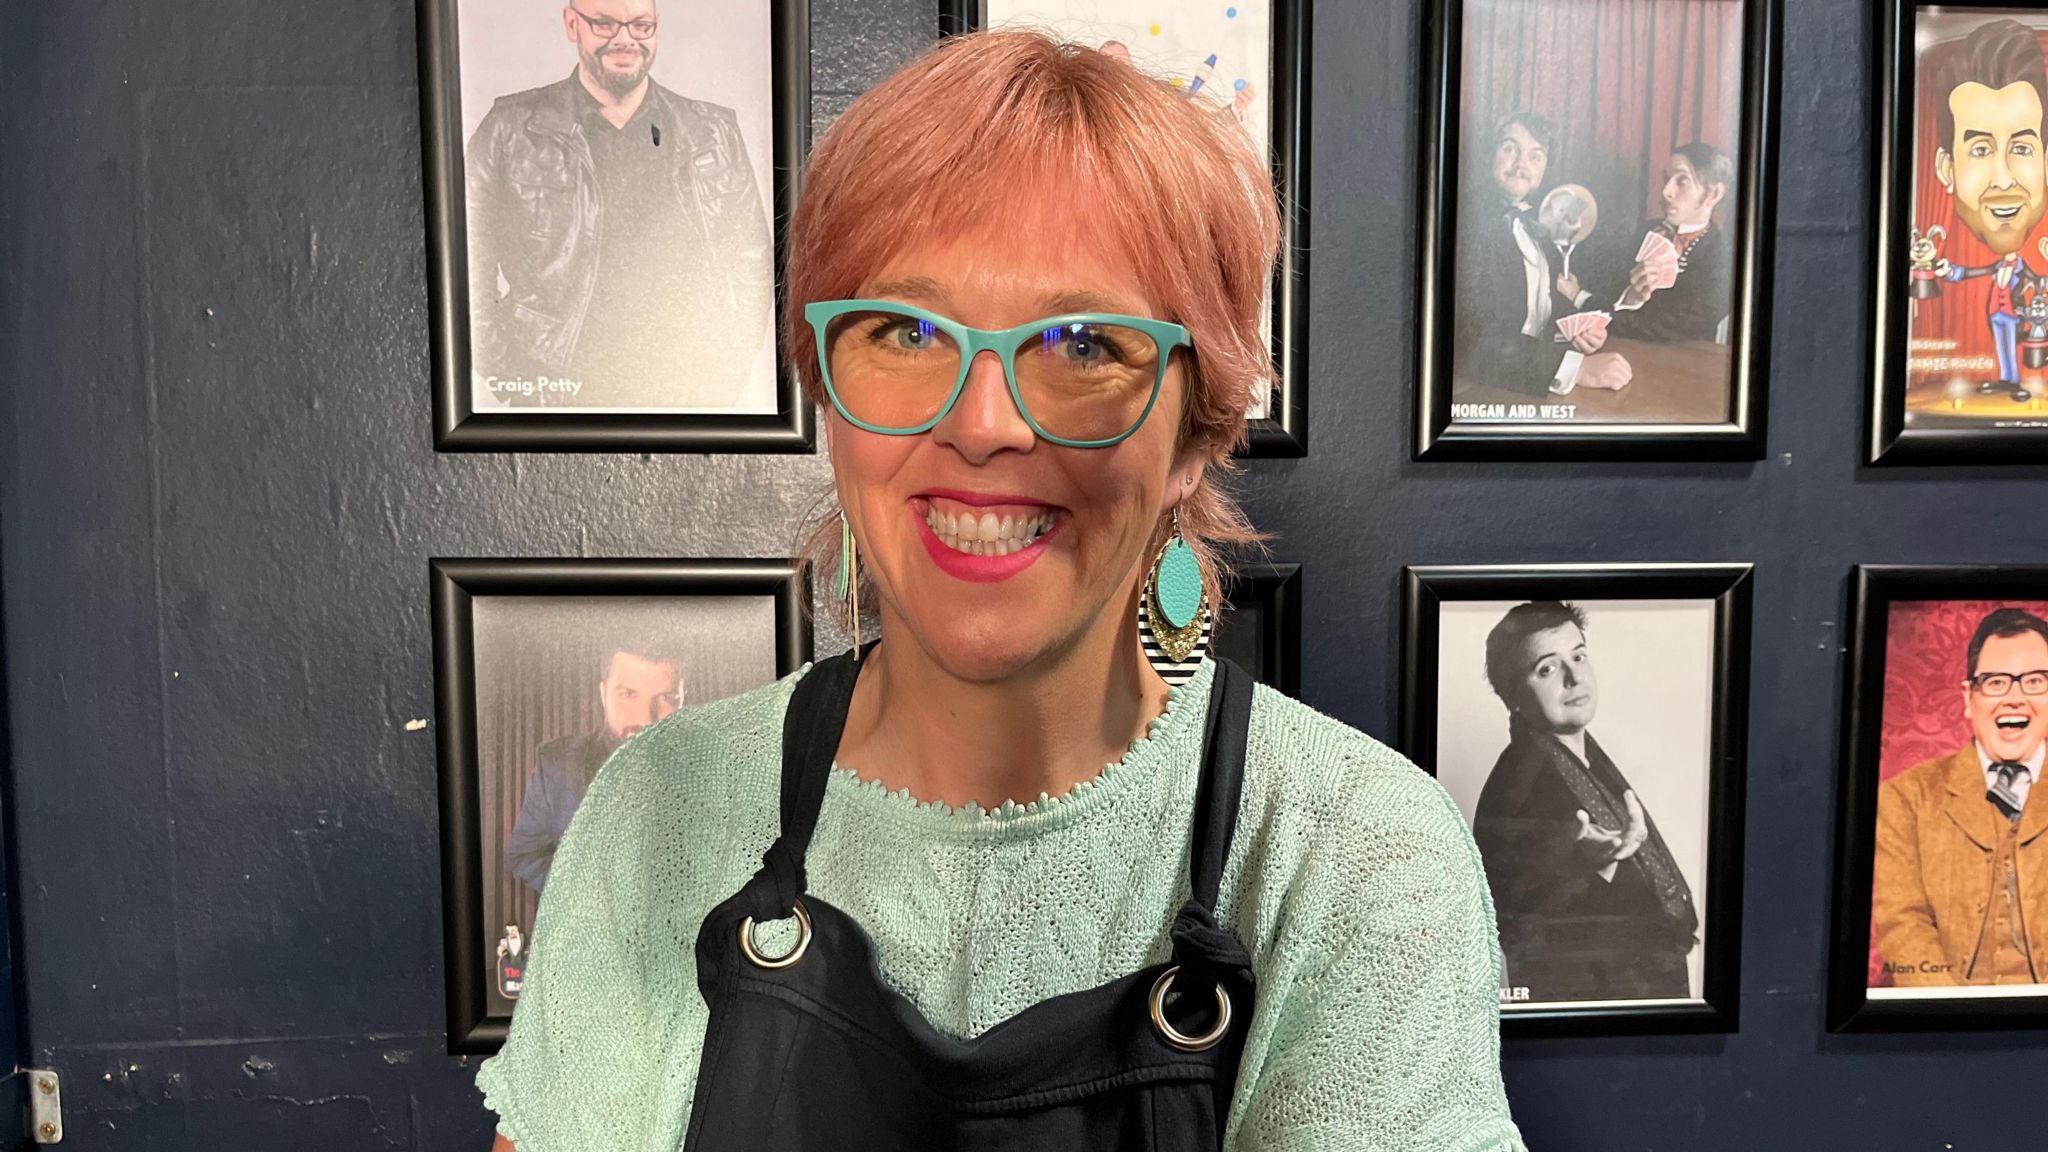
pixel 619 249
pixel 1590 818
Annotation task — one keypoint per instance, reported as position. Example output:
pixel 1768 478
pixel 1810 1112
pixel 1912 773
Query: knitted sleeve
pixel 1383 981
pixel 577 1072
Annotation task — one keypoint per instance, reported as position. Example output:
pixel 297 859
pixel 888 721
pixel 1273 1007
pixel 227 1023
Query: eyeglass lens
pixel 2000 683
pixel 604 27
pixel 1078 381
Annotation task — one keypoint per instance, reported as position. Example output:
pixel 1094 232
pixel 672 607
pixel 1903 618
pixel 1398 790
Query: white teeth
pixel 987 534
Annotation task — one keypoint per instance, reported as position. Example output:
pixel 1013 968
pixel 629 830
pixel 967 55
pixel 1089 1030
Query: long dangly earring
pixel 849 580
pixel 1174 619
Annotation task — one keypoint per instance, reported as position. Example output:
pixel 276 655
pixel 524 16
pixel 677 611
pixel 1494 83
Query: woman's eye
pixel 1087 346
pixel 911 335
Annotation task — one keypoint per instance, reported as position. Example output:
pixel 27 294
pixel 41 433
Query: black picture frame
pixel 1437 436
pixel 1272 594
pixel 1284 432
pixel 472 1027
pixel 1426 588
pixel 1873 588
pixel 458 427
pixel 1893 115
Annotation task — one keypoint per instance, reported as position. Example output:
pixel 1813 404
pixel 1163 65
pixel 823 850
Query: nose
pixel 985 419
pixel 1571 678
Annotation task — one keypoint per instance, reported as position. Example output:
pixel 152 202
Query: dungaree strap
pixel 811 728
pixel 1199 942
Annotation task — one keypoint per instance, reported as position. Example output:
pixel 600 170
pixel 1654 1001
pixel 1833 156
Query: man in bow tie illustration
pixel 1990 87
pixel 1960 891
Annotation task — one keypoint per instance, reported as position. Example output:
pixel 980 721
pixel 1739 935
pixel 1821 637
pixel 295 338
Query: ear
pixel 1187 472
pixel 1945 170
pixel 1715 194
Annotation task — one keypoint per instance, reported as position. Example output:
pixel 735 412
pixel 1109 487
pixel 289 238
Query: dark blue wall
pixel 219 497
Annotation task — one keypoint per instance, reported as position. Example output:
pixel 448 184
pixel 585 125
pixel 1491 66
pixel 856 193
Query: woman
pixel 995 884
pixel 1592 904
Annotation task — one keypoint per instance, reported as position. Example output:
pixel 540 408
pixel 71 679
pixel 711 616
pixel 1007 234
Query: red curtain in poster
pixel 1623 81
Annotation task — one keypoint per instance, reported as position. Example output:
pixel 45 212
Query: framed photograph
pixel 607 183
pixel 1589 721
pixel 542 669
pixel 1941 866
pixel 1251 57
pixel 1262 629
pixel 1961 364
pixel 1596 225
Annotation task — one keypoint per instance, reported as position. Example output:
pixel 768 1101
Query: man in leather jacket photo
pixel 619 251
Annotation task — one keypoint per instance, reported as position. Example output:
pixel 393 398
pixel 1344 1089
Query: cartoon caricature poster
pixel 1219 48
pixel 1977 275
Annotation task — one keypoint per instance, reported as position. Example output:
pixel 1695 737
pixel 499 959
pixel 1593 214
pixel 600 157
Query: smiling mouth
pixel 2005 212
pixel 2013 723
pixel 996 530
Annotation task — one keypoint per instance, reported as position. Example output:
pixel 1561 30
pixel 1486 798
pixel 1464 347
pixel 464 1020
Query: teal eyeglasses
pixel 1083 380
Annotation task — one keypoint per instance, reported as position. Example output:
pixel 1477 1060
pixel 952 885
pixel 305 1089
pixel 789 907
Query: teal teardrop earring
pixel 1174 620
pixel 849 580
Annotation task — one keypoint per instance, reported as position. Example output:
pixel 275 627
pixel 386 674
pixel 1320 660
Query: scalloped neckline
pixel 1047 810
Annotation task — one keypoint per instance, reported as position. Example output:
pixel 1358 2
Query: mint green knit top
pixel 1352 881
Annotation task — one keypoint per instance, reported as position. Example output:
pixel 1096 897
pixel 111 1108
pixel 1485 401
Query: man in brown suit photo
pixel 1960 892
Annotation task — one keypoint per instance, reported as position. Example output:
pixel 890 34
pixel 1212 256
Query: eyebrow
pixel 1085 301
pixel 921 288
pixel 925 290
pixel 1973 133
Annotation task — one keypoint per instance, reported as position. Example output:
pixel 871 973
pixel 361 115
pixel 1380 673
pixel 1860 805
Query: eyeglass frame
pixel 1004 342
pixel 1976 683
pixel 591 22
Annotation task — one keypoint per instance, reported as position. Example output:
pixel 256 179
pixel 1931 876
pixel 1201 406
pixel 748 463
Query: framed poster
pixel 1596 229
pixel 1961 363
pixel 1589 722
pixel 542 669
pixel 1252 58
pixel 606 183
pixel 1262 628
pixel 1941 866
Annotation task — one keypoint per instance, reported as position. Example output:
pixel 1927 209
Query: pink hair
pixel 942 149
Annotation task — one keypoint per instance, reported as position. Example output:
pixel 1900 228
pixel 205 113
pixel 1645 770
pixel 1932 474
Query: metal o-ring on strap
pixel 1175 1036
pixel 803 941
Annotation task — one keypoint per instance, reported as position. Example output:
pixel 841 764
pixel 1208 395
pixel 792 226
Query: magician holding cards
pixel 1691 300
pixel 1509 297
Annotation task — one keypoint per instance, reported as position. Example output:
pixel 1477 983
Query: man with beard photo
pixel 1698 182
pixel 636 686
pixel 1960 886
pixel 1590 900
pixel 1989 89
pixel 624 222
pixel 1508 296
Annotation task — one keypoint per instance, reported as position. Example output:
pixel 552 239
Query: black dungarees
pixel 821 1054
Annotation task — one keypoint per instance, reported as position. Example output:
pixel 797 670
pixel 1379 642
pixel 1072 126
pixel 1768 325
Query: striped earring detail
pixel 1174 618
pixel 849 580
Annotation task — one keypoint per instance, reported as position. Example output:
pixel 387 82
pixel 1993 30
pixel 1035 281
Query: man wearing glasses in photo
pixel 1961 883
pixel 625 227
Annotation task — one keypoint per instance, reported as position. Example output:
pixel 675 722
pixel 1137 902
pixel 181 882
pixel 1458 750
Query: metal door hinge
pixel 45 1105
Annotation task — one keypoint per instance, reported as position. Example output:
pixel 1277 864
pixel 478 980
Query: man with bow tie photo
pixel 1699 183
pixel 1960 890
pixel 1508 294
